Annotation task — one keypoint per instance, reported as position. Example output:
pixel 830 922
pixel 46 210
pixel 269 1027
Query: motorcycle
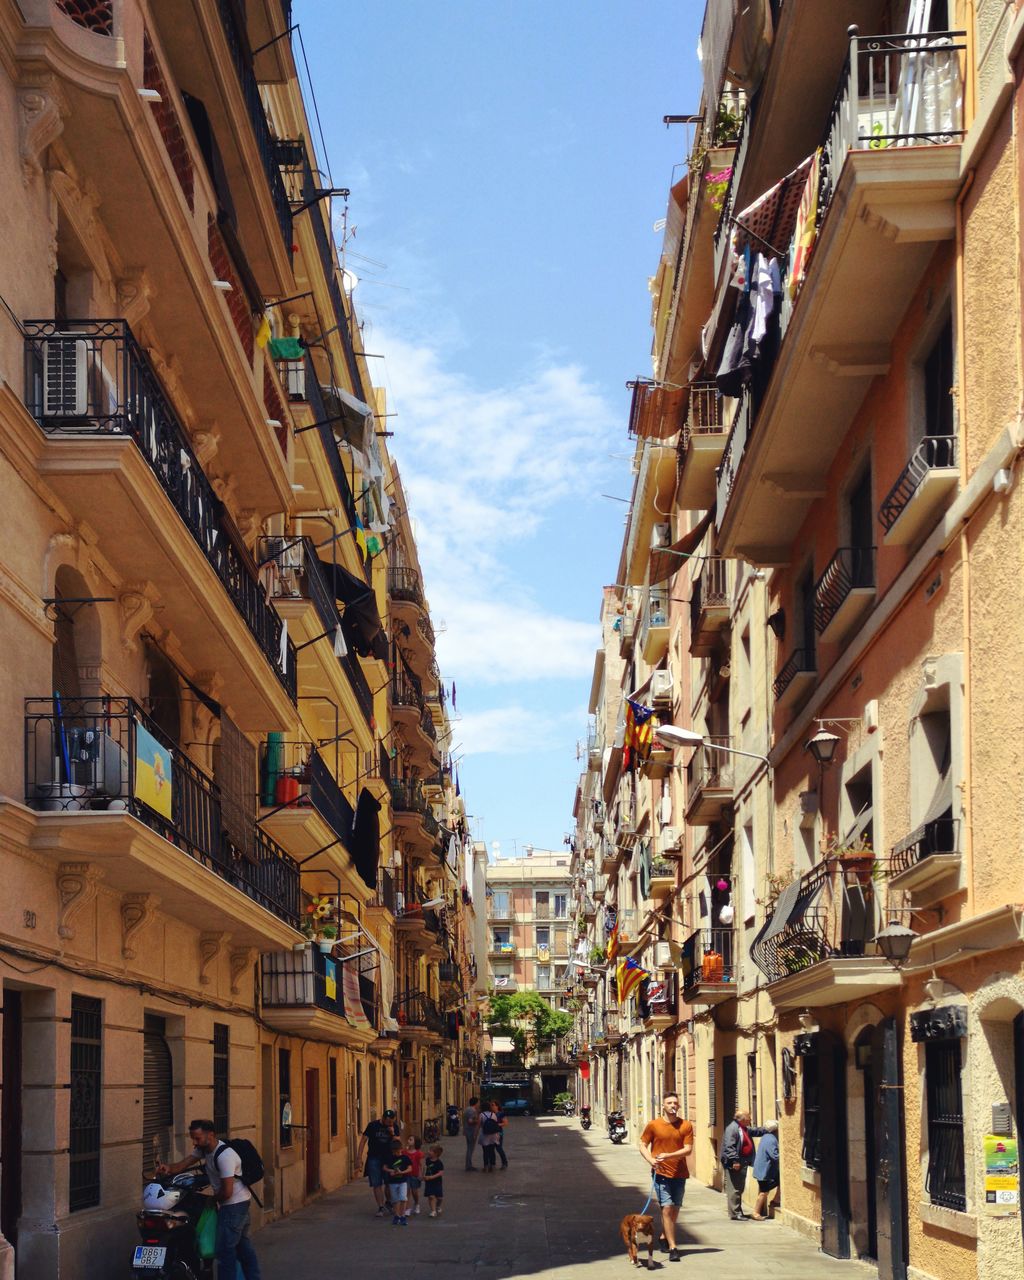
pixel 616 1127
pixel 564 1108
pixel 585 1117
pixel 167 1224
pixel 451 1123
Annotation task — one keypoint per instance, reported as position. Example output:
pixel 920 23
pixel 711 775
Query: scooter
pixel 585 1117
pixel 616 1127
pixel 451 1123
pixel 167 1225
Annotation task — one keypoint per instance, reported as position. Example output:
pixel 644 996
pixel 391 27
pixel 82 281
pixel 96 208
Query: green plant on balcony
pixel 727 125
pixel 597 955
pixel 661 867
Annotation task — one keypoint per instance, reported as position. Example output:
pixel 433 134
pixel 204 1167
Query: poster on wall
pixel 1002 1174
pixel 152 772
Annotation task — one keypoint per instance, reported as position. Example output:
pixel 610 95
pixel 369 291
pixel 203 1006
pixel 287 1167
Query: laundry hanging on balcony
pixel 769 222
pixel 366 837
pixel 360 621
pixel 665 561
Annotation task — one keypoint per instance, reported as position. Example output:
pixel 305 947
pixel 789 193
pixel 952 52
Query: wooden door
pixel 835 1187
pixel 889 1145
pixel 312 1131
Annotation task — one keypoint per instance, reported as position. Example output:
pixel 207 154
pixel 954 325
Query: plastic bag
pixel 206 1233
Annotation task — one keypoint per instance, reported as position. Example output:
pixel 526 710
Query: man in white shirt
pixel 223 1168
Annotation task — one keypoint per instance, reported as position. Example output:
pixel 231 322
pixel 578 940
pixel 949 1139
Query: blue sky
pixel 507 163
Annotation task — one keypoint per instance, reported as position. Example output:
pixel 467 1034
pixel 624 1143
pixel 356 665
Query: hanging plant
pixel 717 186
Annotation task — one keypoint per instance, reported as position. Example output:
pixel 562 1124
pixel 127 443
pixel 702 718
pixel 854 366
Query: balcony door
pixel 861 517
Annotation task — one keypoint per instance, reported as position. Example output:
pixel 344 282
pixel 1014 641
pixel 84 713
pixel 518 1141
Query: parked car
pixel 516 1107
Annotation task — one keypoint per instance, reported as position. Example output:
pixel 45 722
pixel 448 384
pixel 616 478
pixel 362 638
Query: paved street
pixel 556 1209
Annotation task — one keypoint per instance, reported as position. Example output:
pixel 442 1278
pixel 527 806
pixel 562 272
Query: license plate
pixel 148 1255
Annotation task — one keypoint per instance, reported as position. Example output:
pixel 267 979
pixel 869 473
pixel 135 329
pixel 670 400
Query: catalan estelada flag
pixel 628 977
pixel 639 729
pixel 613 944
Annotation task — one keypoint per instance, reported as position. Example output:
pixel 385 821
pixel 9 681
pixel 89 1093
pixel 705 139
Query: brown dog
pixel 637 1230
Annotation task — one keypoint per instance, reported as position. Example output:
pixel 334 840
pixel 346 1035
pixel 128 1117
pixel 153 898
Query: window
pixel 437 1082
pixel 712 1093
pixel 938 384
pixel 561 905
pixel 284 1092
pixel 86 1095
pixel 804 633
pixel 560 972
pixel 752 1087
pixel 542 904
pixel 332 1094
pixel 221 1090
pixel 543 977
pixel 499 904
pixel 502 939
pixel 811 1149
pixel 543 937
pixel 946 1181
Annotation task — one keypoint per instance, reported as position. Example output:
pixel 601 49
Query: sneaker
pixel 433 1213
pixel 403 1222
pixel 381 1212
pixel 439 1213
pixel 395 1220
pixel 674 1255
pixel 417 1209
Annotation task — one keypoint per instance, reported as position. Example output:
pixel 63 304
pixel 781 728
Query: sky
pixel 507 163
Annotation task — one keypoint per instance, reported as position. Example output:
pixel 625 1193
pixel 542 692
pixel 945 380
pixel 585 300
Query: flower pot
pixel 327 945
pixel 299 946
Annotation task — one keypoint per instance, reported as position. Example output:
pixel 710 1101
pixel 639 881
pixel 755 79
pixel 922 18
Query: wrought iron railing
pixel 106 753
pixel 704 414
pixel 850 569
pixel 405 584
pixel 314 397
pixel 709 957
pixel 427 725
pixel 241 56
pixel 418 1010
pixel 90 378
pixel 710 590
pixel 932 454
pixel 799 662
pixel 709 769
pixel 940 836
pixel 405 693
pixel 299 979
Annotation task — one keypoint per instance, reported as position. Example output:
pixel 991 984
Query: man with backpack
pixel 232 1167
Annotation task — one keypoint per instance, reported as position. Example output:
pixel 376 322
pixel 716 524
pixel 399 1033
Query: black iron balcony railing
pixel 941 836
pixel 417 1010
pixel 91 378
pixel 850 569
pixel 710 590
pixel 932 454
pixel 407 797
pixel 710 955
pixel 799 662
pixel 405 693
pixel 88 754
pixel 298 979
pixel 427 725
pixel 709 769
pixel 314 397
pixel 242 58
pixel 405 584
pixel 386 891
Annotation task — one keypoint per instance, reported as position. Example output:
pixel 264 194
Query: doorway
pixel 887 1136
pixel 312 1131
pixel 10 1117
pixel 864 1063
pixel 833 1145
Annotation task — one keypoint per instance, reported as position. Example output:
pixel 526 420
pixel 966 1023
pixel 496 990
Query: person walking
pixel 224 1169
pixel 665 1144
pixel 766 1171
pixel 737 1155
pixel 375 1144
pixel 503 1121
pixel 471 1130
pixel 490 1132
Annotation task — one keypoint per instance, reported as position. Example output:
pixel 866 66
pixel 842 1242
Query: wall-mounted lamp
pixel 894 942
pixel 822 747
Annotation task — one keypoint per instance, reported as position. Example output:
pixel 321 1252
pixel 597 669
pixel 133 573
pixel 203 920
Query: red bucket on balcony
pixel 286 790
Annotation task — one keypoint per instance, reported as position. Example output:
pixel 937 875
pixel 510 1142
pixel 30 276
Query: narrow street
pixel 555 1210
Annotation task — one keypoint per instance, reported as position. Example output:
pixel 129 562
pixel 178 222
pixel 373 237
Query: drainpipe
pixel 965 562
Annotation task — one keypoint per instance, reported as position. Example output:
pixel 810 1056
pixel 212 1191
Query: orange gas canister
pixel 712 966
pixel 286 791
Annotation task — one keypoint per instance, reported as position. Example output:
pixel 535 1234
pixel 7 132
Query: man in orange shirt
pixel 665 1143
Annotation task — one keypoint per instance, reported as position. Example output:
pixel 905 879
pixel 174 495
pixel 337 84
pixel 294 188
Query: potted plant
pixel 597 957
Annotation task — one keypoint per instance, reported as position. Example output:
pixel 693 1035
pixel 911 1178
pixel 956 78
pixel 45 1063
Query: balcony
pixel 117 454
pixel 303 995
pixel 796 677
pixel 658 1003
pixel 413 814
pixel 299 585
pixel 501 912
pixel 709 606
pixel 816 945
pixel 502 950
pixel 303 385
pixel 652 493
pixel 844 592
pixel 887 186
pixel 927 862
pixel 709 966
pixel 654 628
pixel 405 587
pixel 663 878
pixel 109 788
pixel 626 623
pixel 701 446
pixel 920 494
pixel 419 1019
pixel 708 783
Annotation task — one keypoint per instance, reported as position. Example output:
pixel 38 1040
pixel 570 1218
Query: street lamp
pixel 823 747
pixel 894 942
pixel 671 735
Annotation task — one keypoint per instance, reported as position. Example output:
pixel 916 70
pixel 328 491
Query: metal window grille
pixel 811 1112
pixel 284 1092
pixel 730 1087
pixel 221 1077
pixel 752 1087
pixel 86 1096
pixel 712 1093
pixel 332 1094
pixel 946 1181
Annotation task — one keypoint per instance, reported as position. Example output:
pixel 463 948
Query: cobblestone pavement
pixel 553 1213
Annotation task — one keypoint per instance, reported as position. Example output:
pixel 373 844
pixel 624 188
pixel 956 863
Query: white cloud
pixel 493 642
pixel 510 730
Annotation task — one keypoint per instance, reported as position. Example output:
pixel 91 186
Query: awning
pixel 656 411
pixel 861 822
pixel 940 804
pixel 768 223
pixel 665 561
pixel 354 418
pixel 360 621
pixel 502 1044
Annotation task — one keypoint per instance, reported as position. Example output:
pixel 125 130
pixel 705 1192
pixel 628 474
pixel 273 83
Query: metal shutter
pixel 157 1095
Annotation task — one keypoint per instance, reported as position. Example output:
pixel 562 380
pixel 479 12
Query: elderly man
pixel 737 1155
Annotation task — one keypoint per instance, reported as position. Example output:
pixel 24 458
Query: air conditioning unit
pixel 661 686
pixel 663 955
pixel 661 536
pixel 670 837
pixel 65 377
pixel 98 762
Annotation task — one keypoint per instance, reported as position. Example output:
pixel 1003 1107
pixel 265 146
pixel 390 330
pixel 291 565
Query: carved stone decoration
pixel 205 441
pixel 247 520
pixel 947 1023
pixel 242 959
pixel 210 947
pixel 133 293
pixel 137 909
pixel 42 109
pixel 77 886
pixel 136 609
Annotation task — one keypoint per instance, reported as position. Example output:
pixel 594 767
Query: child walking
pixel 416 1156
pixel 398 1180
pixel 433 1181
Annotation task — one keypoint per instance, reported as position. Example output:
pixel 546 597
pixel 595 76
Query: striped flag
pixel 639 730
pixel 629 975
pixel 613 944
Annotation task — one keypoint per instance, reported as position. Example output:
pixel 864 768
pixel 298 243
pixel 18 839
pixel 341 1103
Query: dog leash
pixel 654 1185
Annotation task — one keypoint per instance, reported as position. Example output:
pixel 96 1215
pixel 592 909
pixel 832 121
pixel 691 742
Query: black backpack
pixel 252 1161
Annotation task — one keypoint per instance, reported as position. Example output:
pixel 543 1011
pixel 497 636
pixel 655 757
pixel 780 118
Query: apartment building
pixel 235 860
pixel 845 430
pixel 528 921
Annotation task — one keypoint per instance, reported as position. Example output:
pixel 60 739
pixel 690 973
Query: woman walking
pixel 490 1132
pixel 766 1171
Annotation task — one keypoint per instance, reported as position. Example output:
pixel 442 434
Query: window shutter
pixel 712 1092
pixel 157 1095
